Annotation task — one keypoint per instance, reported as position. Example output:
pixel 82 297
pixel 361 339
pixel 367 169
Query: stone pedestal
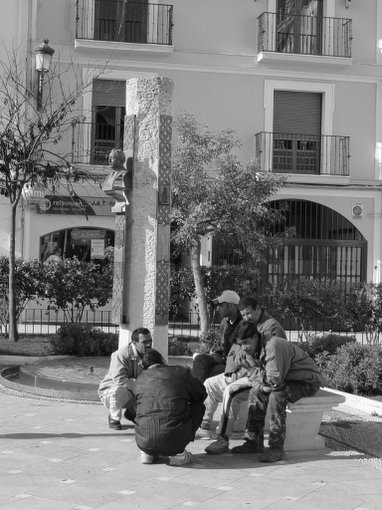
pixel 141 297
pixel 303 420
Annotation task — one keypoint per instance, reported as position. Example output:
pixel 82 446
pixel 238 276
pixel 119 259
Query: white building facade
pixel 298 80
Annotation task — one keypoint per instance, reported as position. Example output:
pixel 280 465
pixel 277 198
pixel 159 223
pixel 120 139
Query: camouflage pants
pixel 275 402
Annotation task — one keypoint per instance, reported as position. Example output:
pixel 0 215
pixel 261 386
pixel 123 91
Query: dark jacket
pixel 228 331
pixel 284 362
pixel 168 399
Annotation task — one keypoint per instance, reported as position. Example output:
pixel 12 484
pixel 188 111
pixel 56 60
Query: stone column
pixel 145 256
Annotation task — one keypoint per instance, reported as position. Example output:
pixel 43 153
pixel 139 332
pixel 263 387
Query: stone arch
pixel 327 246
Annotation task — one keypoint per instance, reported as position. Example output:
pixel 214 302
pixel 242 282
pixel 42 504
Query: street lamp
pixel 43 54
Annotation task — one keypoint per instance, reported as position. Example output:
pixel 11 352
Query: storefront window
pixel 87 244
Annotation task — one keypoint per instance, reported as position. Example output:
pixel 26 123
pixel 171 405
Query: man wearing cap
pixel 208 365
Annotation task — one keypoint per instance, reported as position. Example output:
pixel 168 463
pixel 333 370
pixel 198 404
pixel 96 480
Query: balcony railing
pixel 92 142
pixel 304 35
pixel 121 21
pixel 303 154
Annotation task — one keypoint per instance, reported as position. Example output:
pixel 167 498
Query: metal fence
pixel 120 21
pixel 37 321
pixel 304 35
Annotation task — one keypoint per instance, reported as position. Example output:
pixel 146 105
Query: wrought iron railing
pixel 304 35
pixel 121 21
pixel 44 322
pixel 302 154
pixel 92 142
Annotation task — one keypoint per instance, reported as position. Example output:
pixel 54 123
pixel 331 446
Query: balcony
pixel 303 154
pixel 92 142
pixel 311 37
pixel 102 23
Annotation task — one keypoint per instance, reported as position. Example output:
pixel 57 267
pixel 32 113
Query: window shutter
pixel 297 112
pixel 109 93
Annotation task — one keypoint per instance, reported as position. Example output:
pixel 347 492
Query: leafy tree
pixel 29 141
pixel 29 285
pixel 72 285
pixel 213 193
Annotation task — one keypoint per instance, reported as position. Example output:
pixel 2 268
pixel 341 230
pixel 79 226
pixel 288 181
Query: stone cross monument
pixel 142 241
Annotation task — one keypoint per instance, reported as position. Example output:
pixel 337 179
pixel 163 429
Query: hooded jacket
pixel 284 362
pixel 165 398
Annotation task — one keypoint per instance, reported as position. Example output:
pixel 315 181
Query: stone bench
pixel 303 420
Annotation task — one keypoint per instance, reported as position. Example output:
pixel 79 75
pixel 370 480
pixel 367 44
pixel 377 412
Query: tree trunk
pixel 199 288
pixel 12 311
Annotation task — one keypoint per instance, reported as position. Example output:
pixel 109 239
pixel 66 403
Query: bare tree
pixel 30 136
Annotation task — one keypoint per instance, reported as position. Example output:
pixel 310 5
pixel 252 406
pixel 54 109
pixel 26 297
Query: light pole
pixel 43 55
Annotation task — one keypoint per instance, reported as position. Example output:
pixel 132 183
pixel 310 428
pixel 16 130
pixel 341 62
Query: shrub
pixel 83 340
pixel 179 347
pixel 355 368
pixel 329 343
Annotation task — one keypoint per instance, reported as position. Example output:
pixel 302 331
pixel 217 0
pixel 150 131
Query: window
pixel 121 20
pixel 327 246
pixel 109 99
pixel 87 244
pixel 297 132
pixel 299 26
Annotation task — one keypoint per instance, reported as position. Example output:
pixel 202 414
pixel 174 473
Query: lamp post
pixel 43 55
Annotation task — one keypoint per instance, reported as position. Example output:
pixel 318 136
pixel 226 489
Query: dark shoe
pixel 130 414
pixel 248 447
pixel 114 424
pixel 272 455
pixel 221 445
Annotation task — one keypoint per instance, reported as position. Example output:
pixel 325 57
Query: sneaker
pixel 221 445
pixel 146 458
pixel 181 459
pixel 114 424
pixel 272 455
pixel 248 447
pixel 205 432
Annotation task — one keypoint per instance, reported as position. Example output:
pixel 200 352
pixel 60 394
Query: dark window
pixel 327 246
pixel 121 20
pixel 109 99
pixel 297 132
pixel 299 26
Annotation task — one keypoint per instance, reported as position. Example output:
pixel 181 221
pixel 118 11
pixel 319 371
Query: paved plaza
pixel 60 455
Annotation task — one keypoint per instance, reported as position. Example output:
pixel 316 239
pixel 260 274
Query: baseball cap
pixel 227 296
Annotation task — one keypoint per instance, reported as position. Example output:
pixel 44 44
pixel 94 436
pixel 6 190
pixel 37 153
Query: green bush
pixel 329 343
pixel 355 368
pixel 180 347
pixel 83 340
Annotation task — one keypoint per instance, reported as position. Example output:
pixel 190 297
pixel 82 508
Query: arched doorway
pixel 327 247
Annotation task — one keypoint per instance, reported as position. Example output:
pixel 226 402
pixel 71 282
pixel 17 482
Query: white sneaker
pixel 181 459
pixel 146 458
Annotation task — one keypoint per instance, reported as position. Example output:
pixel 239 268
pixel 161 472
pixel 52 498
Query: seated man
pixel 250 310
pixel 286 374
pixel 240 362
pixel 208 365
pixel 169 410
pixel 116 388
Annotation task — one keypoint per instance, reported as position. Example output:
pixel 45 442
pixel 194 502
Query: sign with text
pixel 86 206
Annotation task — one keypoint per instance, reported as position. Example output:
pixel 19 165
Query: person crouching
pixel 170 409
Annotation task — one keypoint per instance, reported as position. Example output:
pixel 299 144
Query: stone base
pixel 303 420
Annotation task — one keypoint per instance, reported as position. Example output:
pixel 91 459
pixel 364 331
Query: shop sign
pixel 87 206
pixel 97 249
pixel 33 194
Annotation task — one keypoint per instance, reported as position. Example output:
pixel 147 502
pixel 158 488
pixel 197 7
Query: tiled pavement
pixel 57 455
